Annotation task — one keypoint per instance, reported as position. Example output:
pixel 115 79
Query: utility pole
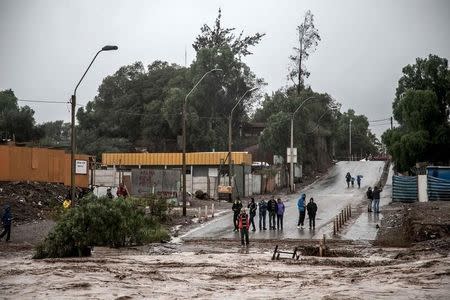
pixel 392 126
pixel 350 140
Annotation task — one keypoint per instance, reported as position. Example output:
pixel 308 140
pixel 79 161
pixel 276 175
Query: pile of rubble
pixel 31 201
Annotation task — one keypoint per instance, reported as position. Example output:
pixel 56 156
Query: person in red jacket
pixel 244 225
pixel 122 191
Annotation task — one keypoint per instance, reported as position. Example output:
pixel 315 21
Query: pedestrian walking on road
pixel 244 225
pixel 358 180
pixel 237 206
pixel 353 181
pixel 280 214
pixel 252 209
pixel 369 195
pixel 312 210
pixel 262 214
pixel 272 208
pixel 348 177
pixel 6 222
pixel 376 199
pixel 301 210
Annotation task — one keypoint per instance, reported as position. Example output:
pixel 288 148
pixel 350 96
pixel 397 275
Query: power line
pixel 380 120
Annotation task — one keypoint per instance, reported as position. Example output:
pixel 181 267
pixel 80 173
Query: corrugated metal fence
pixel 404 189
pixel 438 189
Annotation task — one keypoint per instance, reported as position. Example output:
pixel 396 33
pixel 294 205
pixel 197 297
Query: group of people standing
pixel 374 199
pixel 350 179
pixel 275 209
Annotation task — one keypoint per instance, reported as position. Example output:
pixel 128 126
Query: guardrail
pixel 341 218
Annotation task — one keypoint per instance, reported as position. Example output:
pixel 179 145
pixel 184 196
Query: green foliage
pixel 15 121
pixel 421 108
pixel 103 222
pixel 55 133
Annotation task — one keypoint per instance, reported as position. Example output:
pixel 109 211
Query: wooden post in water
pixel 206 212
pixel 212 210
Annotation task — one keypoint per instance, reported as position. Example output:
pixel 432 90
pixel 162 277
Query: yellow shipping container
pixel 174 159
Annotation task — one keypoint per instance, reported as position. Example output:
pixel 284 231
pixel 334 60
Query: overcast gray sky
pixel 46 45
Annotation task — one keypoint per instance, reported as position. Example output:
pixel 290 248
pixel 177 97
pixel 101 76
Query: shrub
pixel 102 222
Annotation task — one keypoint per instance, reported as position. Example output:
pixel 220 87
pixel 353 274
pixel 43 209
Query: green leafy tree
pixel 16 122
pixel 56 133
pixel 421 109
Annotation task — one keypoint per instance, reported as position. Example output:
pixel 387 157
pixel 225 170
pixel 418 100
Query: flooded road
pixel 330 193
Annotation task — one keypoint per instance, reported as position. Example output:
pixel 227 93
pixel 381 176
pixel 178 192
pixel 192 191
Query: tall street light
pixel 230 119
pixel 291 174
pixel 72 126
pixel 183 169
pixel 350 140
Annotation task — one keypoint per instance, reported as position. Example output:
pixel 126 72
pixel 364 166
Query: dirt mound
pixel 407 223
pixel 31 201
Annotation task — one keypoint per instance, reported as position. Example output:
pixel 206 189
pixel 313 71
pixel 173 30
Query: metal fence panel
pixel 404 189
pixel 438 189
pixel 159 181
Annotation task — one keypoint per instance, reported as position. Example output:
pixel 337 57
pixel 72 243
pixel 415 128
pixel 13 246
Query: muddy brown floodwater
pixel 224 271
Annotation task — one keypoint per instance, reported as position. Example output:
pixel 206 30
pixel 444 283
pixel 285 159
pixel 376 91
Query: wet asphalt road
pixel 330 193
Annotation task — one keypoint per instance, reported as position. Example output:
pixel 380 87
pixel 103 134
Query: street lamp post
pixel 72 126
pixel 183 169
pixel 350 140
pixel 291 171
pixel 230 141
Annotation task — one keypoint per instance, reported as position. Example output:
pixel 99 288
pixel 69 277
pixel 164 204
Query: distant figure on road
pixel 272 208
pixel 301 210
pixel 376 199
pixel 237 206
pixel 353 181
pixel 244 225
pixel 280 214
pixel 369 194
pixel 262 214
pixel 6 222
pixel 312 210
pixel 109 194
pixel 252 209
pixel 348 177
pixel 122 191
pixel 358 180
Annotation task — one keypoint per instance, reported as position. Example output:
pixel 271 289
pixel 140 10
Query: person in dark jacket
pixel 252 209
pixel 272 208
pixel 237 206
pixel 348 177
pixel 376 199
pixel 6 221
pixel 109 194
pixel 280 214
pixel 312 210
pixel 262 214
pixel 369 195
pixel 358 180
pixel 301 210
pixel 244 225
pixel 122 191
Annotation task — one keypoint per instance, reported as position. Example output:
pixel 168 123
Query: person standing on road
pixel 237 206
pixel 272 208
pixel 312 210
pixel 262 214
pixel 358 180
pixel 376 199
pixel 353 181
pixel 6 221
pixel 244 225
pixel 348 177
pixel 369 194
pixel 280 214
pixel 252 209
pixel 301 210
